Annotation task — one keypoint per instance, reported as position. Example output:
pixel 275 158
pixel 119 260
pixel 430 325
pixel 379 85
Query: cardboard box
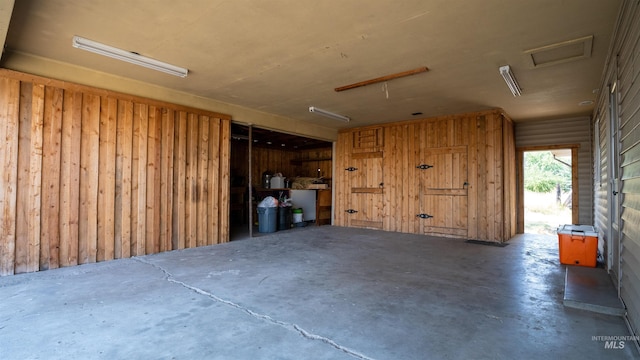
pixel 578 245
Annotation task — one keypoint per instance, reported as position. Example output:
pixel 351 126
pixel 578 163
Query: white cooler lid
pixel 569 229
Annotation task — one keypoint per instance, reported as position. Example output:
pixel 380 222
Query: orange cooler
pixel 578 245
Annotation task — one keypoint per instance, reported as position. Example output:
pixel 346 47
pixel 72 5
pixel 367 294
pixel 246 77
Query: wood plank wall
pixel 488 136
pixel 91 175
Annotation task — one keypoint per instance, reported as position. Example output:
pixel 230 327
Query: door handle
pixel 615 192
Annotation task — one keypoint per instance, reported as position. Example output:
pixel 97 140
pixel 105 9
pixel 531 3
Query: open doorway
pixel 548 188
pixel 256 152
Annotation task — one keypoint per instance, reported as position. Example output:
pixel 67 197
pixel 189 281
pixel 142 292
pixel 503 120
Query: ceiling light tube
pixel 329 114
pixel 128 56
pixel 511 81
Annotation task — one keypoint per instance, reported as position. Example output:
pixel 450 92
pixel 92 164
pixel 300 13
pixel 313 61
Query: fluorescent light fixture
pixel 511 81
pixel 329 114
pixel 128 56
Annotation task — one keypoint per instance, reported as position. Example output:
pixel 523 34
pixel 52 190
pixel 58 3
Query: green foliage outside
pixel 542 173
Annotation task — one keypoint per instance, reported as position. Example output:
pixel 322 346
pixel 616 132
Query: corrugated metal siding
pixel 565 131
pixel 625 55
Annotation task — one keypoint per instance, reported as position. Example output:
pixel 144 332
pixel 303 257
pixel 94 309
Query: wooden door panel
pixel 443 190
pixel 366 198
pixel 449 214
pixel 448 167
pixel 369 209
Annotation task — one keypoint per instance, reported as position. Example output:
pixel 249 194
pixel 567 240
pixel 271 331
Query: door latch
pixel 423 167
pixel 424 216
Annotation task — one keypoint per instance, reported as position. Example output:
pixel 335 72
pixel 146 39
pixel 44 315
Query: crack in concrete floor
pixel 292 327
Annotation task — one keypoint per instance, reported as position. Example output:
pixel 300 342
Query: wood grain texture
pixel 52 138
pixel 123 199
pixel 166 176
pixel 91 175
pixel 9 136
pixel 107 180
pixel 469 188
pixel 139 179
pixel 89 167
pixel 70 178
pixel 224 187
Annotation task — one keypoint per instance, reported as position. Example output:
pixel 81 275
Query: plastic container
pixel 284 218
pixel 277 182
pixel 267 219
pixel 578 245
pixel 297 216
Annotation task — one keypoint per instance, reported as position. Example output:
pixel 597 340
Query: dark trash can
pixel 267 219
pixel 284 218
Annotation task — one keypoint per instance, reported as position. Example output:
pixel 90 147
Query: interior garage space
pixel 138 140
pixel 322 292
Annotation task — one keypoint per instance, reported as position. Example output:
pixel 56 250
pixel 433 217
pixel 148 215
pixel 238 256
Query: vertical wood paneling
pixel 89 167
pixel 180 182
pixel 70 178
pixel 52 133
pixel 152 217
pixel 107 179
pixel 203 182
pixel 213 207
pixel 191 208
pixel 139 179
pixel 93 175
pixel 166 183
pixel 9 135
pixel 225 149
pixel 341 179
pixel 21 219
pixel 123 200
pixel 393 215
pixel 481 186
pixel 466 190
pixel 25 201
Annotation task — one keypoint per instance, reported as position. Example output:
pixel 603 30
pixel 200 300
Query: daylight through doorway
pixel 547 190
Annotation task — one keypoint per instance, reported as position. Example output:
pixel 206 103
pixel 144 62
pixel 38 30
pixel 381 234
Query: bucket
pixel 297 216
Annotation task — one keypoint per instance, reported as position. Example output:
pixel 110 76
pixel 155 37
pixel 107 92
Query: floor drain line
pixel 294 327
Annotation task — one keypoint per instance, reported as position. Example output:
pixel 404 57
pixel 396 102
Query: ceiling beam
pixel 382 78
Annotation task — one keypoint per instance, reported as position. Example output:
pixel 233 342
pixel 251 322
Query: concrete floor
pixel 309 293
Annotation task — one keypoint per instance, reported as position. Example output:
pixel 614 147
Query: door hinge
pixel 351 211
pixel 424 167
pixel 424 216
pixel 351 168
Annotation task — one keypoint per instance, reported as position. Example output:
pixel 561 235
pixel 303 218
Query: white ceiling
pixel 280 57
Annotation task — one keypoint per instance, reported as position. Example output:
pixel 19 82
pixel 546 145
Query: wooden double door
pixel 443 190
